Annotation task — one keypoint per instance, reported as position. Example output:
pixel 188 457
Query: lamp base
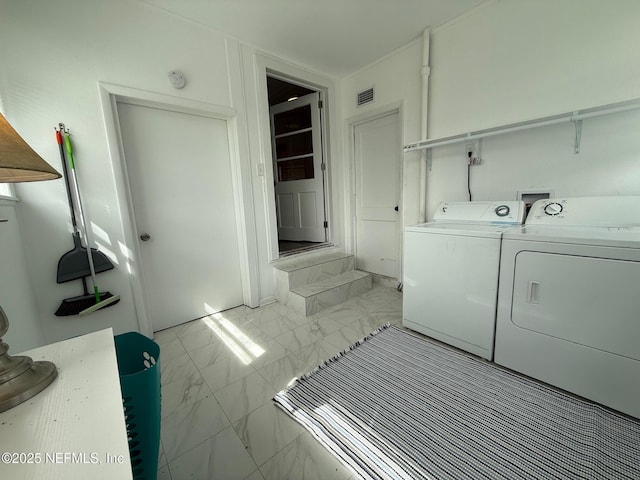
pixel 32 379
pixel 20 377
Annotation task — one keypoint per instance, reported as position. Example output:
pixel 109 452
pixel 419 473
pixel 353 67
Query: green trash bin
pixel 139 369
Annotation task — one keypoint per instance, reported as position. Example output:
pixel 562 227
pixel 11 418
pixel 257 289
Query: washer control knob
pixel 553 209
pixel 502 210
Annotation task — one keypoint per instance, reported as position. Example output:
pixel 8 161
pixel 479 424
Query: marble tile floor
pixel 220 373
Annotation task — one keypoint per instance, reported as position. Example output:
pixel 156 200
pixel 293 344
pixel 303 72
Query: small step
pixel 297 263
pixel 314 297
pixel 311 283
pixel 294 273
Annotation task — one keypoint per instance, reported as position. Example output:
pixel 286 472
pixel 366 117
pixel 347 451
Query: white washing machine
pixel 451 270
pixel 569 298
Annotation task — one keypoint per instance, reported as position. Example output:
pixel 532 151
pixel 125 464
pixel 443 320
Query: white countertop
pixel 75 428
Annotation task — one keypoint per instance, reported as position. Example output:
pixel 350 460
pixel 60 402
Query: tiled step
pixel 313 283
pixel 314 297
pixel 294 273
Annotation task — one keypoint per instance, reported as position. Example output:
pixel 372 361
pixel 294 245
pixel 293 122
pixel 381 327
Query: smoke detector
pixel 176 79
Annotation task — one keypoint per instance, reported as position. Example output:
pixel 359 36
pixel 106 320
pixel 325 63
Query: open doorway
pixel 299 165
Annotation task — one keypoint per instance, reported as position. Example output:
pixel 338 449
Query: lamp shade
pixel 18 161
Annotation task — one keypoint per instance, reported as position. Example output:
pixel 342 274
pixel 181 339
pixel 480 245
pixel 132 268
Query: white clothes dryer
pixel 450 271
pixel 569 298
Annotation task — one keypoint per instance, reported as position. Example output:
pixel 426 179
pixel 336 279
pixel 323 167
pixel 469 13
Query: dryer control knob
pixel 553 209
pixel 502 210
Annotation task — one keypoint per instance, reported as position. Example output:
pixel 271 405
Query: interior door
pixel 377 158
pixel 298 169
pixel 179 172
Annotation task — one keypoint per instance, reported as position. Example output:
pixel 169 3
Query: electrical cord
pixel 469 175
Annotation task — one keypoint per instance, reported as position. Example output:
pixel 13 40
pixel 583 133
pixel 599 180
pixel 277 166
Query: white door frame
pixel 109 95
pixel 351 124
pixel 266 65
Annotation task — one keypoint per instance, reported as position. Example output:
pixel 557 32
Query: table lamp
pixel 20 377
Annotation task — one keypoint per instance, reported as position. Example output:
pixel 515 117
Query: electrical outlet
pixel 471 154
pixel 470 148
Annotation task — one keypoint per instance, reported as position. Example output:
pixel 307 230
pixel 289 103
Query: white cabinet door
pixel 377 155
pixel 179 173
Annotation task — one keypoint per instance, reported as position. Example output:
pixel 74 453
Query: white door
pixel 298 169
pixel 377 156
pixel 179 173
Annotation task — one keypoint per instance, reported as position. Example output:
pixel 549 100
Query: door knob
pixel 145 237
pixel 396 208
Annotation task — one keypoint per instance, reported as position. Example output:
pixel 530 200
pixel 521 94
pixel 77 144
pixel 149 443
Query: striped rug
pixel 398 406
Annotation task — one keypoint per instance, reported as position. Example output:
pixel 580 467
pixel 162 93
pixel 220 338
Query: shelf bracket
pixel 578 138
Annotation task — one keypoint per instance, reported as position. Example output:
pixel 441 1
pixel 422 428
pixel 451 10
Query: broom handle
pixel 66 176
pixel 67 143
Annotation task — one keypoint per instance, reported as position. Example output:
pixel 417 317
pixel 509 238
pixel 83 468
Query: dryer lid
pixel 619 211
pixel 626 237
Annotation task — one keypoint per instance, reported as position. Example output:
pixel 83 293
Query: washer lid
pixel 628 237
pixel 461 229
pixel 503 212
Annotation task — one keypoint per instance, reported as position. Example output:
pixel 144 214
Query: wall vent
pixel 365 96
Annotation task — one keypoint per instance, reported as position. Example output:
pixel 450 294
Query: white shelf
pixel 80 414
pixel 576 116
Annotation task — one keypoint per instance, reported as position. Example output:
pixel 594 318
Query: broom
pixel 100 300
pixel 71 266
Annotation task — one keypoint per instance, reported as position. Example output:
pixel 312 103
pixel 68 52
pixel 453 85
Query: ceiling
pixel 335 37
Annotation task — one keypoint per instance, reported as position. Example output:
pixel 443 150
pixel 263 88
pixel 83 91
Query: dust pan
pixel 75 263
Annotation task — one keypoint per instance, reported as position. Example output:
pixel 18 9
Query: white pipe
pixel 424 123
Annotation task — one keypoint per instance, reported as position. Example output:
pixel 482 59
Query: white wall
pixel 17 298
pixel 515 60
pixel 520 59
pixel 543 160
pixel 53 56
